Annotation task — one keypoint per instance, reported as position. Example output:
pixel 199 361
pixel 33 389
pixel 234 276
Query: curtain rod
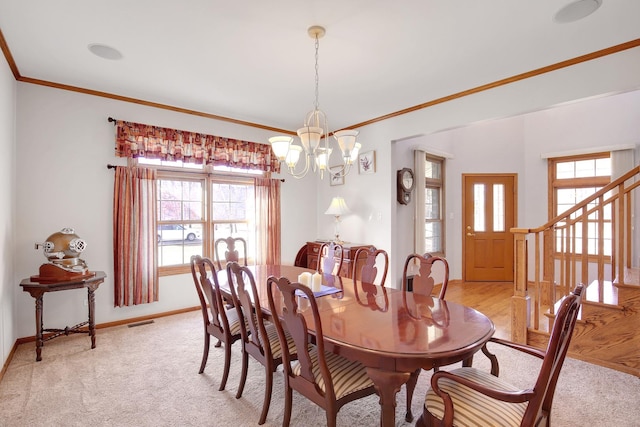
pixel 112 120
pixel 110 166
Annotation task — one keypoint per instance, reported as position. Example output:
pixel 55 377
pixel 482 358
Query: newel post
pixel 520 302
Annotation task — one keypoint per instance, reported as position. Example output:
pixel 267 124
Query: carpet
pixel 148 376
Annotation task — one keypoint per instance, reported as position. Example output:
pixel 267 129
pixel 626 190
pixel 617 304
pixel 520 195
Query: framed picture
pixel 367 162
pixel 334 176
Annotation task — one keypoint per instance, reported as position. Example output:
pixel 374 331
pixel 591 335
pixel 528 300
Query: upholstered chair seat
pixel 348 376
pixel 473 408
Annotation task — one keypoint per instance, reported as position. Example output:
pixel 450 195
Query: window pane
pixel 177 242
pixel 233 213
pixel 433 236
pixel 478 207
pixel 498 207
pixel 179 200
pixel 432 169
pixel 603 167
pixel 432 203
pixel 585 168
pixel 565 170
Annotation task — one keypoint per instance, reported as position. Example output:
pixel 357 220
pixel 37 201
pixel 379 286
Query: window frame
pixel 439 184
pixel 208 176
pixel 555 184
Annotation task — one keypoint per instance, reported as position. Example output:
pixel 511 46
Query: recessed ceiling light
pixel 104 51
pixel 576 10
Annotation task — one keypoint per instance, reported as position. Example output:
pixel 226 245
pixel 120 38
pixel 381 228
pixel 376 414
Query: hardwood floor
pixel 492 299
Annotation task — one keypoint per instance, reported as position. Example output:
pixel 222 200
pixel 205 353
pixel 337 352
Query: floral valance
pixel 154 142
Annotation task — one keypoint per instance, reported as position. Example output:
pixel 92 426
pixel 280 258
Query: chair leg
pixel 332 416
pixel 243 375
pixel 218 344
pixel 268 388
pixel 227 364
pixel 420 422
pixel 288 397
pixel 205 354
pixel 411 386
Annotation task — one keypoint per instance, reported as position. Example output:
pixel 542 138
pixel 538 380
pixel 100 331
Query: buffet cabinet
pixel 349 249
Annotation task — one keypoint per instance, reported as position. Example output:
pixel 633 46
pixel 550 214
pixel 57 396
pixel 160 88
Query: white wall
pixel 64 144
pixel 8 284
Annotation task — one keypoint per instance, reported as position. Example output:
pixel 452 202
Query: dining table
pixel 393 333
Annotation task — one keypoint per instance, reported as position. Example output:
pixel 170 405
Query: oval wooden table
pixel 391 332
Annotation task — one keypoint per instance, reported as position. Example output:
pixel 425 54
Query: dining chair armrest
pixel 520 347
pixel 518 396
pixel 495 366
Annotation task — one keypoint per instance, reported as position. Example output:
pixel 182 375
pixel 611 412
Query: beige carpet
pixel 148 376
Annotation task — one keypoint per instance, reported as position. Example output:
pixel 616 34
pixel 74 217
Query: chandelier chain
pixel 317 104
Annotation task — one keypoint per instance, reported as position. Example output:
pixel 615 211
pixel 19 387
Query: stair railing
pixel 571 249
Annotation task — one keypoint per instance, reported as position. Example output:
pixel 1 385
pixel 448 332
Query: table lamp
pixel 337 207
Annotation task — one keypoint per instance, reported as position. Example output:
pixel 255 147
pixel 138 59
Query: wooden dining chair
pixel 365 265
pixel 469 396
pixel 423 274
pixel 330 258
pixel 259 337
pixel 327 379
pixel 233 248
pixel 220 322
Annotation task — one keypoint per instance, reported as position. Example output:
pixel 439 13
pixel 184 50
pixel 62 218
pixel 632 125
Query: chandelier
pixel 316 127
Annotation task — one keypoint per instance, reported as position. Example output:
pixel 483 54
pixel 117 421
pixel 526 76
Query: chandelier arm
pixel 342 172
pixel 304 171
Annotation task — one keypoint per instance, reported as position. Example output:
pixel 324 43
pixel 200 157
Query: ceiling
pixel 253 60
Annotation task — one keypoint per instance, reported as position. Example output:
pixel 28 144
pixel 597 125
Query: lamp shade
pixel 337 207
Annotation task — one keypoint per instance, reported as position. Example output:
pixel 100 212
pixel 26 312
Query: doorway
pixel 489 206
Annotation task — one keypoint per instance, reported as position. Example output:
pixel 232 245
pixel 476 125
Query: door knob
pixel 471 234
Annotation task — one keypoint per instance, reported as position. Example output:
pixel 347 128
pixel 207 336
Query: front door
pixel 489 206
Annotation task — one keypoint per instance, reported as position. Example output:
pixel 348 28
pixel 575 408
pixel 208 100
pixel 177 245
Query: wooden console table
pixel 349 249
pixel 37 290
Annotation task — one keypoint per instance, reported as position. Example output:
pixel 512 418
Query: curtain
pixel 268 220
pixel 154 142
pixel 418 227
pixel 134 236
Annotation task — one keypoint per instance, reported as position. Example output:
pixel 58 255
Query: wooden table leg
pixel 387 384
pixel 39 340
pixel 92 323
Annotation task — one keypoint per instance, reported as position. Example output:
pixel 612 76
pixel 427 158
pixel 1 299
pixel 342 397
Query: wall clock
pixel 406 182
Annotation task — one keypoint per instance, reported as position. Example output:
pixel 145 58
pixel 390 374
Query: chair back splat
pixel 365 265
pixel 423 273
pixel 330 258
pixel 468 396
pixel 219 322
pixel 325 378
pixel 233 248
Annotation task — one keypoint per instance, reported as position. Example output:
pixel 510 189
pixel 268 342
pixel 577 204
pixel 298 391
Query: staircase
pixel 591 243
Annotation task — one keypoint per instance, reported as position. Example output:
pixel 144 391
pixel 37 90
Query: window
pixel 573 179
pixel 433 199
pixel 196 207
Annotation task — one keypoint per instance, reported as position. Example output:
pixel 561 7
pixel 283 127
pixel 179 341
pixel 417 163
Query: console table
pixel 349 250
pixel 37 291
